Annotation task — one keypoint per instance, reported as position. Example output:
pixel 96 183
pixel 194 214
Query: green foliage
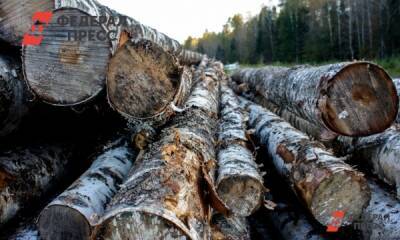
pixel 299 31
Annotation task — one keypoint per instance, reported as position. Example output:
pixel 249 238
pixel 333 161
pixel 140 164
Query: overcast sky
pixel 182 18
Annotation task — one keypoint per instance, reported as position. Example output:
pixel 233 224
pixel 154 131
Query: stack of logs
pixel 183 165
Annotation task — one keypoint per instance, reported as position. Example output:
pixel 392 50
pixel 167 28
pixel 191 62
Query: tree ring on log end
pixel 340 192
pixel 143 79
pixel 67 69
pixel 360 100
pixel 139 225
pixel 238 194
pixel 61 222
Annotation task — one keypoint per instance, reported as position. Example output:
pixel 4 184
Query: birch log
pixel 230 228
pixel 13 95
pixel 381 152
pixel 74 213
pixel 352 99
pixel 144 81
pixel 69 67
pixel 239 183
pixel 380 220
pixel 163 196
pixel 26 174
pixel 325 183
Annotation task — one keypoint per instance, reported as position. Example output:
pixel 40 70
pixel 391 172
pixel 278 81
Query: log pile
pixel 186 152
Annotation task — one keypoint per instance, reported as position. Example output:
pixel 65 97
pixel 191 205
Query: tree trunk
pixel 239 182
pixel 380 219
pixel 397 84
pixel 188 57
pixel 16 18
pixel 325 183
pixel 13 95
pixel 26 174
pixel 144 81
pixel 69 67
pixel 380 151
pixel 230 228
pixel 163 197
pixel 74 213
pixel 333 97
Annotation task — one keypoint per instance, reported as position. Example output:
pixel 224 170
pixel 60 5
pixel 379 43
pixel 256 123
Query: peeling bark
pixel 230 228
pixel 144 81
pixel 163 195
pixel 325 183
pixel 239 183
pixel 68 72
pixel 26 174
pixel 380 220
pixel 333 97
pixel 74 213
pixel 13 95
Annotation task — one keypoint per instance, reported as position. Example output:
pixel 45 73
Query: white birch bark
pixel 322 181
pixel 74 213
pixel 332 97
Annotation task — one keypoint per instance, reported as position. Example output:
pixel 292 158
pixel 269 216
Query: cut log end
pixel 340 192
pixel 239 194
pixel 61 222
pixel 360 100
pixel 64 71
pixel 143 79
pixel 15 20
pixel 137 225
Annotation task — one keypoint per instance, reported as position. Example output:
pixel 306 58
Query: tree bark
pixel 162 197
pixel 381 152
pixel 26 174
pixel 332 97
pixel 239 183
pixel 67 70
pixel 144 82
pixel 13 95
pixel 380 219
pixel 325 183
pixel 74 213
pixel 396 82
pixel 230 228
pixel 188 57
pixel 16 18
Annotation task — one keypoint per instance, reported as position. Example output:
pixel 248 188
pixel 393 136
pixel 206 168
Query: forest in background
pixel 309 31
